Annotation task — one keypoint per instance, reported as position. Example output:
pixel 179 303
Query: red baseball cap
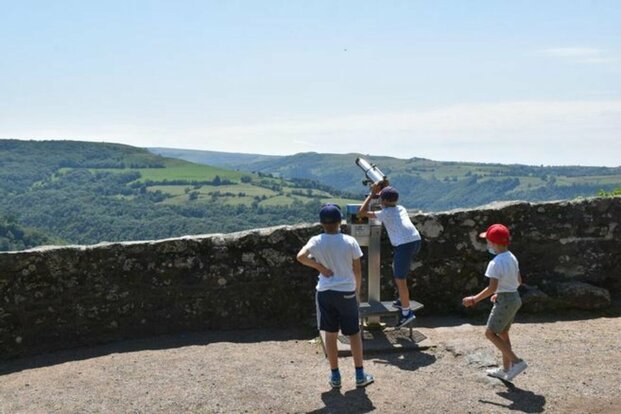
pixel 497 233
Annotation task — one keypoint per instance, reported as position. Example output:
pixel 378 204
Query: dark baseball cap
pixel 389 194
pixel 329 214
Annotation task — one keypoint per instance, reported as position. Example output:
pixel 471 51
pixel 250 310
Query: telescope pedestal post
pixel 373 272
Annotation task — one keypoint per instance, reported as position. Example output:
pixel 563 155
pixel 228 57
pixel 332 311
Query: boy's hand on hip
pixel 326 272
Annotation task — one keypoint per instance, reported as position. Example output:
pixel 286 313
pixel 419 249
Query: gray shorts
pixel 504 311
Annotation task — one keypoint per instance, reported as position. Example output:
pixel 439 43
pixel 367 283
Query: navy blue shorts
pixel 337 310
pixel 404 254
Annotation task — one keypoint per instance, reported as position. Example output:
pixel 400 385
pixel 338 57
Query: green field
pixel 229 194
pixel 287 201
pixel 234 194
pixel 601 180
pixel 175 170
pixel 206 189
pixel 183 170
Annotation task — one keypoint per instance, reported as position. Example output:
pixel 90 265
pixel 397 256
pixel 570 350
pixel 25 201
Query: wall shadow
pixel 152 343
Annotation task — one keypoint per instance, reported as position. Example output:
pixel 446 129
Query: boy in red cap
pixel 404 238
pixel 504 279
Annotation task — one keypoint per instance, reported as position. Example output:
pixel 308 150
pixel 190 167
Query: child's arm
pixel 304 258
pixel 358 274
pixel 487 292
pixel 363 210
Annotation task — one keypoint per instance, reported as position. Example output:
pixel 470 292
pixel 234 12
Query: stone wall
pixel 59 297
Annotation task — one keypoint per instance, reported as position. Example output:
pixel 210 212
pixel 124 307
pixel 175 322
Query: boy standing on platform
pixel 405 239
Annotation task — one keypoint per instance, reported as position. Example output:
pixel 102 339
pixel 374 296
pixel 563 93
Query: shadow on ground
pixel 519 400
pixel 353 401
pixel 407 361
pixel 255 335
pixel 153 343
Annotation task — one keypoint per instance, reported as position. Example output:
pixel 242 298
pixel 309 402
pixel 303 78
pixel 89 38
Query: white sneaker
pixel 497 373
pixel 516 369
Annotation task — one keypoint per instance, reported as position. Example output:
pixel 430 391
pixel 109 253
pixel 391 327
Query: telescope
pixel 374 176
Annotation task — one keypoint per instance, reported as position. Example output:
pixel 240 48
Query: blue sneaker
pixel 334 382
pixel 364 381
pixel 397 304
pixel 405 319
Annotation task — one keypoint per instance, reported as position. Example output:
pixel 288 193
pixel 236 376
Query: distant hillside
pixel 231 160
pixel 436 185
pixel 83 192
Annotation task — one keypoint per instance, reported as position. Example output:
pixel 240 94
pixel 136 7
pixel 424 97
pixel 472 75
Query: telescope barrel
pixel 371 171
pixel 363 164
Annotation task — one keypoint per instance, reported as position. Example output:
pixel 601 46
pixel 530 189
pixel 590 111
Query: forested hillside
pixel 426 184
pixel 82 192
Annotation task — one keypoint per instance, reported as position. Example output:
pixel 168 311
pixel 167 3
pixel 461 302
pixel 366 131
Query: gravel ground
pixel 575 366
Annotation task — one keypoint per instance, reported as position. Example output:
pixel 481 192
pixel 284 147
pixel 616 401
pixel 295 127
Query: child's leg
pixel 350 326
pixel 503 346
pixel 404 293
pixel 355 342
pixel 506 362
pixel 331 349
pixel 402 259
pixel 500 319
pixel 362 378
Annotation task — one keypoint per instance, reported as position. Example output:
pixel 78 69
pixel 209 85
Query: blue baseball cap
pixel 389 194
pixel 329 214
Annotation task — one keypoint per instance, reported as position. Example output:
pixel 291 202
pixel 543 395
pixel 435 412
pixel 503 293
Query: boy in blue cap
pixel 405 239
pixel 336 257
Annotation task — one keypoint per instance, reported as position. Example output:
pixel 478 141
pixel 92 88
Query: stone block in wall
pixel 534 300
pixel 580 295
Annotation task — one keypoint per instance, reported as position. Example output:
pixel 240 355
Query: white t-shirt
pixel 337 252
pixel 398 225
pixel 505 268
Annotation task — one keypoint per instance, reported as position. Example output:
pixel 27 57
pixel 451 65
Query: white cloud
pixel 573 52
pixel 580 54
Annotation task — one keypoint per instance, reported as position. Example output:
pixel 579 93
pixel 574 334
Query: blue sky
pixel 532 82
